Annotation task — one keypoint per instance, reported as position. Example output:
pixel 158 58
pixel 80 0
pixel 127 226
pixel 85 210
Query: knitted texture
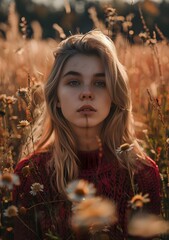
pixel 110 179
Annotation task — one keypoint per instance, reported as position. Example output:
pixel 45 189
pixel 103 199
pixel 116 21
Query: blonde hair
pixel 117 127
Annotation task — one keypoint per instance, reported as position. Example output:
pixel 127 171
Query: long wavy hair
pixel 117 128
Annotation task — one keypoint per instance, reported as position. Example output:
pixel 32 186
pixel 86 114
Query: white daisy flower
pixel 23 124
pixel 11 211
pixel 35 188
pixel 126 147
pixel 94 212
pixel 147 225
pixel 139 200
pixel 79 190
pixel 9 180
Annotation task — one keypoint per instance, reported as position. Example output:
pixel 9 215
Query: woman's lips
pixel 86 109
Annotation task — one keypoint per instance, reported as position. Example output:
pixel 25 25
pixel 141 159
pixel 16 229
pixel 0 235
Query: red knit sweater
pixel 110 180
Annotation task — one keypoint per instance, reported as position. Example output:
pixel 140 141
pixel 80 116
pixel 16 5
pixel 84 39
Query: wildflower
pixel 22 210
pixel 138 200
pixel 9 229
pixel 3 98
pixel 11 211
pixel 2 104
pixel 24 26
pixel 126 147
pixel 143 35
pixel 11 100
pixel 111 15
pixel 23 124
pixel 126 25
pixel 149 225
pixel 13 118
pixel 26 171
pixel 151 41
pixel 159 150
pixel 79 190
pixel 35 188
pixel 96 212
pixel 131 32
pixel 22 92
pixel 110 11
pixel 9 180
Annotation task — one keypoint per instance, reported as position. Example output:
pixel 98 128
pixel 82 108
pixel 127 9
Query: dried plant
pixel 59 30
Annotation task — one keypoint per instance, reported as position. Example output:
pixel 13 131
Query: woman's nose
pixel 86 93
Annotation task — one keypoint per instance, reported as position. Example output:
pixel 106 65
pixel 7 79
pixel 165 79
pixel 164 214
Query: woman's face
pixel 83 96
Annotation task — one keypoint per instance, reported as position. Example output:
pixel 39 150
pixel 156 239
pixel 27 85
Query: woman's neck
pixel 87 140
pixel 87 144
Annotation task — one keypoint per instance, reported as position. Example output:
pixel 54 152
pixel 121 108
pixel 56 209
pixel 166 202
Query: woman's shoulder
pixel 34 159
pixel 148 170
pixel 152 163
pixel 147 164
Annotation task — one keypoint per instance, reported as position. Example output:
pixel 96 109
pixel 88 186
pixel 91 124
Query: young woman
pixel 87 118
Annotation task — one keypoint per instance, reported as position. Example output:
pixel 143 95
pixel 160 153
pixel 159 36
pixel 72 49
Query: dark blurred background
pixel 73 15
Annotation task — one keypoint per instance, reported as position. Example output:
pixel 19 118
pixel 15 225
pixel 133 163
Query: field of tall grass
pixel 24 67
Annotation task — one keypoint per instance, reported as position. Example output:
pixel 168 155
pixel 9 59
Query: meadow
pixel 24 67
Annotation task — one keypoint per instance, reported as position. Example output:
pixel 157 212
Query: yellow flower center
pixel 125 146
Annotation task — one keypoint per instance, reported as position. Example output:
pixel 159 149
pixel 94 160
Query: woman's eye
pixel 100 84
pixel 73 83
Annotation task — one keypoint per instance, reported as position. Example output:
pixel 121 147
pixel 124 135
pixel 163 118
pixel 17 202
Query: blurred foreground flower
pixel 11 211
pixel 149 225
pixel 95 213
pixel 9 180
pixel 138 200
pixel 79 190
pixel 35 188
pixel 126 147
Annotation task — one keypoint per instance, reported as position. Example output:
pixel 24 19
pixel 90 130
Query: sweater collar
pixel 88 159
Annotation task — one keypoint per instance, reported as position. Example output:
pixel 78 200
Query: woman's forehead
pixel 83 62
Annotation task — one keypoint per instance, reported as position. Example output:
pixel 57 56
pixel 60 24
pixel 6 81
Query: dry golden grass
pixel 25 62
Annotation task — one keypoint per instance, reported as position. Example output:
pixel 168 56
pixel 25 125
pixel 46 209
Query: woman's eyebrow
pixel 101 74
pixel 72 73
